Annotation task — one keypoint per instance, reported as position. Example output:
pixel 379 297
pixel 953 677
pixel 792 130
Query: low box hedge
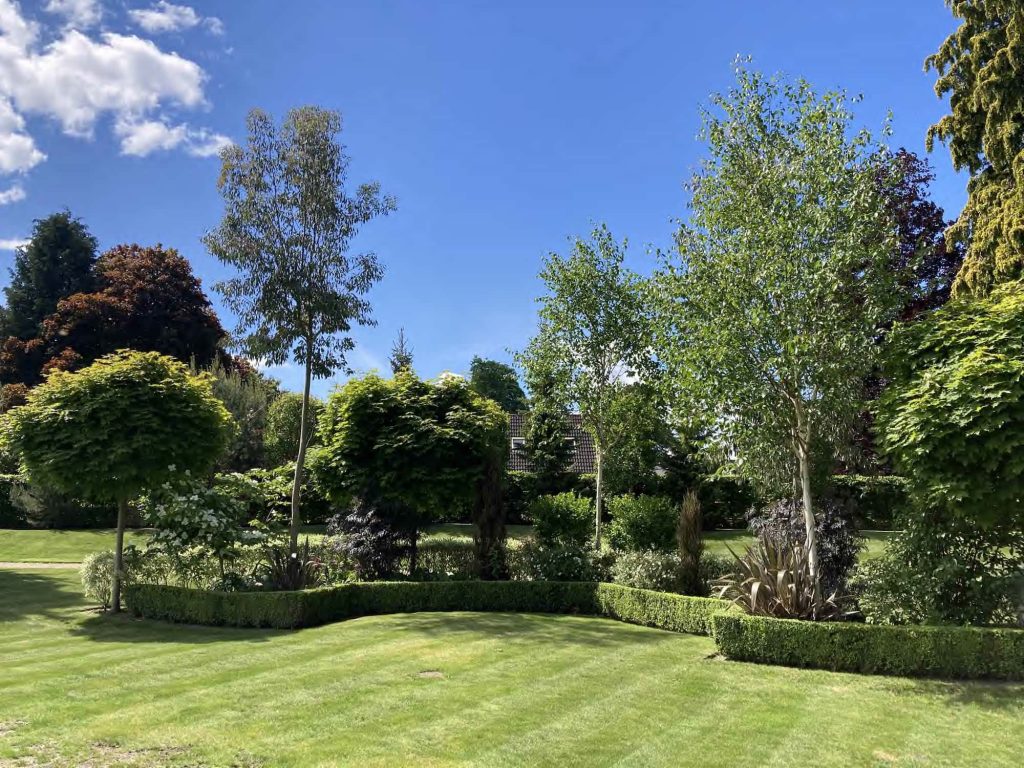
pixel 663 610
pixel 948 652
pixel 909 651
pixel 306 608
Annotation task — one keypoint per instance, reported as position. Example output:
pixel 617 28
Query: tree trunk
pixel 300 460
pixel 598 497
pixel 805 487
pixel 115 590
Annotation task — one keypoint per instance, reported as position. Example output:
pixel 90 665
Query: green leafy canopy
pixel 123 425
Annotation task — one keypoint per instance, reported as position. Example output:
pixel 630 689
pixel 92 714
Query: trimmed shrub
pixel 97 572
pixel 305 608
pixel 676 613
pixel 873 503
pixel 937 651
pixel 312 607
pixel 563 520
pixel 648 570
pixel 642 522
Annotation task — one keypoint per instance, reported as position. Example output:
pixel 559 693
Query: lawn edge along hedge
pixel 906 651
pixel 948 652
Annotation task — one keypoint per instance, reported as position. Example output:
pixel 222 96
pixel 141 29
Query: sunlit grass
pixel 451 689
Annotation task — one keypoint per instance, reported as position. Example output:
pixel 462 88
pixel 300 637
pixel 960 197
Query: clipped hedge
pixel 312 607
pixel 909 651
pixel 663 610
pixel 918 651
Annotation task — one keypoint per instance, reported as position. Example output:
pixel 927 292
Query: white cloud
pixel 75 78
pixel 168 17
pixel 12 244
pixel 143 137
pixel 18 152
pixel 12 194
pixel 80 14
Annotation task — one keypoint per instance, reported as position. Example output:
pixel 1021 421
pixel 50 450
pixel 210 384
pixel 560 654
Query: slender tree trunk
pixel 804 460
pixel 122 516
pixel 300 460
pixel 599 496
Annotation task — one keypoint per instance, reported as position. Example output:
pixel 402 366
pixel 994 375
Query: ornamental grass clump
pixel 774 579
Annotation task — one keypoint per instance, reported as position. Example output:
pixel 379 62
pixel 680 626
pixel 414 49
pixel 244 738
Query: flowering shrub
pixel 189 514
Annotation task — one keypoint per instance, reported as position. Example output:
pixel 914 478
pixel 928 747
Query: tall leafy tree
pixel 288 225
pixel 771 314
pixel 593 339
pixel 57 262
pixel 118 428
pixel 499 382
pixel 979 69
pixel 401 353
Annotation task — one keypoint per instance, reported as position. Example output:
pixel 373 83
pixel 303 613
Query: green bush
pixel 937 651
pixel 648 569
pixel 97 572
pixel 564 520
pixel 571 562
pixel 873 503
pixel 641 523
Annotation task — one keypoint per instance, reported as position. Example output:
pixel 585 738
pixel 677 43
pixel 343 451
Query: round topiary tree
pixel 414 449
pixel 128 423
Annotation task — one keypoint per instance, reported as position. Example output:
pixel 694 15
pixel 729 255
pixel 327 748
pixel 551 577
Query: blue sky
pixel 502 128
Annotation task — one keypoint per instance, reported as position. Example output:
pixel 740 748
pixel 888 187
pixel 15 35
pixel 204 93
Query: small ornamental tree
pixel 289 220
pixel 593 339
pixel 769 321
pixel 412 449
pixel 126 424
pixel 401 353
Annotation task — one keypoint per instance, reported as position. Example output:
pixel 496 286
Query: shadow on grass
pixel 37 593
pixel 124 628
pixel 986 694
pixel 533 627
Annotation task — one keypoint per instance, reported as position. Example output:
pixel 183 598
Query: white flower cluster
pixel 189 514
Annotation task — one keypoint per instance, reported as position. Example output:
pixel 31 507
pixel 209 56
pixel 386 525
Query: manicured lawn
pixel 68 546
pixel 451 689
pixel 719 542
pixel 60 546
pixel 72 546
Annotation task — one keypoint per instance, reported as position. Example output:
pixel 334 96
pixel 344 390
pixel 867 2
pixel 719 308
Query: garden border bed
pixel 919 651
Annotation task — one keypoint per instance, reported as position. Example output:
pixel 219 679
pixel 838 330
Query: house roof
pixel 584 458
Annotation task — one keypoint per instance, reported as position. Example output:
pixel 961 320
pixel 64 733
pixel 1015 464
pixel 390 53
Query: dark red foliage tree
pixel 146 298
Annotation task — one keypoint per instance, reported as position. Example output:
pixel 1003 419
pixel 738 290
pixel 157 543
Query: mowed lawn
pixel 71 546
pixel 454 689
